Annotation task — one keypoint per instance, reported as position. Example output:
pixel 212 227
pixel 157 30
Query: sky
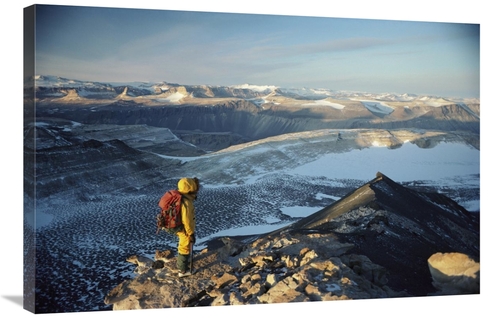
pixel 480 11
pixel 222 48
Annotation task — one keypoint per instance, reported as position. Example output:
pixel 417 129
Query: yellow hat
pixel 187 185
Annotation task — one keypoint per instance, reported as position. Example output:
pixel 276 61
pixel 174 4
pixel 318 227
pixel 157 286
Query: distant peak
pixel 258 88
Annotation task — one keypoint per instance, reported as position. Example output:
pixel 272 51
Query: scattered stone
pixel 143 263
pixel 232 247
pixel 224 280
pixel 279 270
pixel 140 260
pixel 158 264
pixel 271 280
pixel 362 265
pixel 164 256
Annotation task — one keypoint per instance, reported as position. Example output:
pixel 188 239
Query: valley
pixel 95 168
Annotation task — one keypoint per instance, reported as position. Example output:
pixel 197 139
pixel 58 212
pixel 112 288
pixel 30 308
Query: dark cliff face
pixel 252 123
pixel 82 169
pixel 399 229
pixel 230 109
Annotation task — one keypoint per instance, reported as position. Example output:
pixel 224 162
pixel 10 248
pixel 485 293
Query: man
pixel 188 187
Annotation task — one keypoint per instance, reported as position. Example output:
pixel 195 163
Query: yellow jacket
pixel 188 188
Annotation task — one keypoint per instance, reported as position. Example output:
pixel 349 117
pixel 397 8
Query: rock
pixel 235 299
pixel 326 266
pixel 158 264
pixel 256 290
pixel 255 277
pixel 362 265
pixel 258 260
pixel 232 246
pixel 143 263
pixel 140 260
pixel 118 293
pixel 312 292
pixel 274 270
pixel 307 256
pixel 271 280
pixel 282 293
pixel 221 300
pixel 290 261
pixel 224 280
pixel 164 256
pixel 454 273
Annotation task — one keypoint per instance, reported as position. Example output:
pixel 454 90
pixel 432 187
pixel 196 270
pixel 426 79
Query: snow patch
pixel 299 211
pixel 375 143
pixel 271 219
pixel 324 102
pixel 471 206
pixel 321 196
pixel 406 163
pixel 257 88
pixel 246 230
pixel 334 287
pixel 175 97
pixel 377 107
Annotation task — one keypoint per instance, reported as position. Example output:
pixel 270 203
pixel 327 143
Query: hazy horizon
pixel 220 48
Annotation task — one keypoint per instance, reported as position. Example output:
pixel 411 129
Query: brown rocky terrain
pixel 282 269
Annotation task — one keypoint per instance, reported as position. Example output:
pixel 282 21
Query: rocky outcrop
pixel 454 273
pixel 71 95
pixel 398 228
pixel 277 269
pixel 280 268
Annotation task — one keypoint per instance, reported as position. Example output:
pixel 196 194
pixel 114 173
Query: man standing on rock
pixel 188 187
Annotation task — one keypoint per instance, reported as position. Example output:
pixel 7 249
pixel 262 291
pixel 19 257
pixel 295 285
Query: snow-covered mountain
pixel 214 117
pixel 43 86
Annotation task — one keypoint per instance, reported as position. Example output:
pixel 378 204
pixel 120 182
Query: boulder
pixel 454 273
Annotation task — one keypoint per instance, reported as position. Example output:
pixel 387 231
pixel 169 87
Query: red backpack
pixel 169 218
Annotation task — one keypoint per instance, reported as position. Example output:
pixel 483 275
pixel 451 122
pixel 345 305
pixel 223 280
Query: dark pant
pixel 182 262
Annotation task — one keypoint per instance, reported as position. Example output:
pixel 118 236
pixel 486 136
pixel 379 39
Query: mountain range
pixel 244 112
pixel 98 156
pixel 47 86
